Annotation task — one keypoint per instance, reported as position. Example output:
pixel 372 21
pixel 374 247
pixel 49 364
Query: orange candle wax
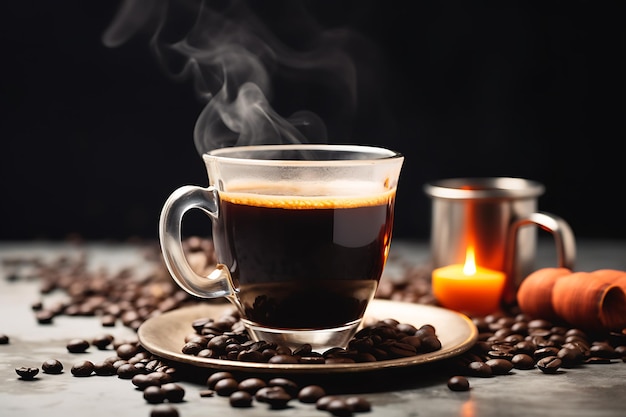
pixel 475 291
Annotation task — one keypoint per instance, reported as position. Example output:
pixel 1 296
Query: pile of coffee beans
pixel 277 392
pixel 225 338
pixel 521 343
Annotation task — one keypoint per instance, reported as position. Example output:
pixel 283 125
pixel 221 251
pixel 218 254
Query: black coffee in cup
pixel 301 259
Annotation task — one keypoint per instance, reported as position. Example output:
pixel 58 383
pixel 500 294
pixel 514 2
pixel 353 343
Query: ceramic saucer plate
pixel 164 336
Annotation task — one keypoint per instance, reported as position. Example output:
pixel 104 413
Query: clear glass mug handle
pixel 218 283
pixel 563 238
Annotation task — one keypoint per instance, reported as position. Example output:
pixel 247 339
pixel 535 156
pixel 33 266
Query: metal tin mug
pixel 491 214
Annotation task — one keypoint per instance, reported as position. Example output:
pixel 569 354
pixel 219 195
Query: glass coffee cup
pixel 301 233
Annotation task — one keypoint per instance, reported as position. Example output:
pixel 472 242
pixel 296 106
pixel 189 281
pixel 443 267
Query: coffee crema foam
pixel 301 197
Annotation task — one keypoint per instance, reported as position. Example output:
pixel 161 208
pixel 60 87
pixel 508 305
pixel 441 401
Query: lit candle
pixel 468 288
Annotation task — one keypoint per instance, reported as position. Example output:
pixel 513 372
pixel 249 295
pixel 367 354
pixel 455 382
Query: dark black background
pixel 95 138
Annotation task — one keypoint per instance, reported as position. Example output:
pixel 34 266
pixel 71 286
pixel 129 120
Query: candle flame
pixel 469 268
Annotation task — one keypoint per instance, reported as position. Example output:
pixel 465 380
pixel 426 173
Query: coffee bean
pixel 174 393
pixel 82 368
pixel 226 386
pixel 359 404
pixel 311 393
pixel 164 410
pixel 126 371
pixel 52 366
pixel 27 373
pixel 4 339
pixel 458 383
pixel 499 366
pixel 283 359
pixel 251 385
pixel 339 407
pixel 275 396
pixel 523 361
pixel 103 341
pixel 549 364
pixel 44 316
pixel 213 378
pixel 154 394
pixel 77 345
pixel 287 384
pixel 126 350
pixel 480 369
pixel 240 399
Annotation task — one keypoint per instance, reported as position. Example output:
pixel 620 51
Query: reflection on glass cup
pixel 301 232
pixel 489 216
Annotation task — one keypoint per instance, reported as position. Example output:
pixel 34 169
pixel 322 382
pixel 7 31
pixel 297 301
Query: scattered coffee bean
pixel 77 346
pixel 523 361
pixel 4 339
pixel 311 393
pixel 339 407
pixel 480 369
pixel 207 393
pixel 359 404
pixel 103 341
pixel 549 364
pixel 458 383
pixel 174 393
pixel 27 373
pixel 164 410
pixel 213 378
pixel 240 399
pixel 251 385
pixel 126 371
pixel 499 366
pixel 82 368
pixel 287 384
pixel 226 386
pixel 52 366
pixel 104 369
pixel 154 395
pixel 44 316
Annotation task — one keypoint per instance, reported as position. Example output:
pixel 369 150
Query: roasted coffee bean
pixel 339 407
pixel 251 385
pixel 359 404
pixel 275 396
pixel 311 393
pixel 226 386
pixel 595 360
pixel 252 356
pixel 480 369
pixel 287 384
pixel 126 350
pixel 174 393
pixel 27 373
pixel 126 371
pixel 77 345
pixel 549 364
pixel 206 393
pixel 164 410
pixel 103 341
pixel 104 369
pixel 499 366
pixel 323 402
pixel 430 343
pixel 545 352
pixel 217 376
pixel 82 368
pixel 458 383
pixel 240 399
pixel 523 361
pixel 52 366
pixel 602 350
pixel 283 359
pixel 4 339
pixel 154 394
pixel 44 316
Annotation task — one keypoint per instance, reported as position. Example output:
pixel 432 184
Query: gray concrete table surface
pixel 590 390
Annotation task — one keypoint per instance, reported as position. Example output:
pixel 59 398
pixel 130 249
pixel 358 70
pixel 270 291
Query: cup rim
pixel 369 154
pixel 473 188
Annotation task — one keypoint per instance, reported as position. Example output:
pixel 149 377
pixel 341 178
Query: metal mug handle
pixel 563 238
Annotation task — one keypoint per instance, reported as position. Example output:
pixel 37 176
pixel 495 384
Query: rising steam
pixel 231 58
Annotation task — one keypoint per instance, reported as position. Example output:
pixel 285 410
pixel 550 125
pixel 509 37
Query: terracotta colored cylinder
pixel 589 302
pixel 534 295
